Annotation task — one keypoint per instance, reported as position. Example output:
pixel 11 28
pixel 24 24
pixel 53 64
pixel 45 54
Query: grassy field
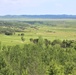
pixel 62 29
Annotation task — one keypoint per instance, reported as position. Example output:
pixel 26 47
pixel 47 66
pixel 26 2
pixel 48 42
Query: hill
pixel 41 16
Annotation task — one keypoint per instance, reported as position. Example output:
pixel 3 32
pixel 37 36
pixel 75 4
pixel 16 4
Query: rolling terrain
pixel 51 29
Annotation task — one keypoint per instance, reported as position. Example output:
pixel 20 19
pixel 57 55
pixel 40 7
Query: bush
pixel 8 33
pixel 23 39
pixel 22 34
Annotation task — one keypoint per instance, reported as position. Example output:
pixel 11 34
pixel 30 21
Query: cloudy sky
pixel 37 7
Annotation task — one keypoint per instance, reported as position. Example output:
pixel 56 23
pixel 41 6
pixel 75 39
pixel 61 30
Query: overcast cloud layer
pixel 18 7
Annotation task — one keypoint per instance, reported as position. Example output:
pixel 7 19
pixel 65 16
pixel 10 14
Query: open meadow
pixel 51 29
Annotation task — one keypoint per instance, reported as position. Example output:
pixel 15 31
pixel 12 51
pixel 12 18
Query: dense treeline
pixel 40 58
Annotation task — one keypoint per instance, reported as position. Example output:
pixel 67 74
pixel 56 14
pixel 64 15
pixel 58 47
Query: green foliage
pixel 38 59
pixel 55 69
pixel 22 38
pixel 22 34
pixel 8 33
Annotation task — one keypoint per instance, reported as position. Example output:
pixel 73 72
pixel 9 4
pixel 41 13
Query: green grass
pixel 47 32
pixel 62 29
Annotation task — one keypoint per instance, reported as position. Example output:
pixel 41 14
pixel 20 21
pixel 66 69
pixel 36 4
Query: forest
pixel 38 47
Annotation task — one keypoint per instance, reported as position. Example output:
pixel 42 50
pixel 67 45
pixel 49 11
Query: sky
pixel 37 7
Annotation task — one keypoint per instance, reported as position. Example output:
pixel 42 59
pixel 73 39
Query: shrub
pixel 8 33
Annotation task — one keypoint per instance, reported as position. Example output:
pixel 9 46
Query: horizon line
pixel 36 14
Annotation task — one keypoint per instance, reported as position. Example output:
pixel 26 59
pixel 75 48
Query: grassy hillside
pixel 48 29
